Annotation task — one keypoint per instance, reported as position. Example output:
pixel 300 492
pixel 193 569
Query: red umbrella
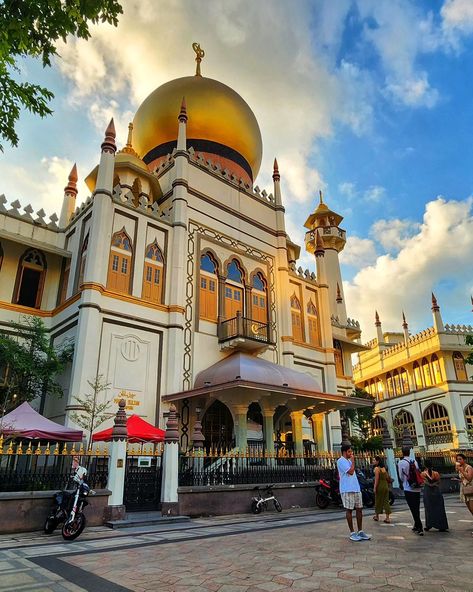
pixel 139 431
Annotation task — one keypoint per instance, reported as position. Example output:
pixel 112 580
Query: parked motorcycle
pixel 68 508
pixel 261 499
pixel 367 490
pixel 327 492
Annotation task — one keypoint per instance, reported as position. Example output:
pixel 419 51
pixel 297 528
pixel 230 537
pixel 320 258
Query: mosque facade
pixel 421 382
pixel 177 281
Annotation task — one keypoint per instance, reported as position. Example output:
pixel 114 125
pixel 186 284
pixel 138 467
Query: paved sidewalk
pixel 296 552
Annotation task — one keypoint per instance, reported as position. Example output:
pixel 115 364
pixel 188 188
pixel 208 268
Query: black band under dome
pixel 201 146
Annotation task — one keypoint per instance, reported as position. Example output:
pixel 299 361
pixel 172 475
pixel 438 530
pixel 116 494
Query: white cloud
pixel 358 252
pixel 374 193
pixel 392 234
pixel 439 252
pixel 457 15
pixel 41 184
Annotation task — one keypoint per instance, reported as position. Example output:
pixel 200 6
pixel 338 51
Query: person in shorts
pixel 351 494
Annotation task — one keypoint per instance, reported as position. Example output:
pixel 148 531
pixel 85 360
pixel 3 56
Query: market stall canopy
pixel 139 430
pixel 25 422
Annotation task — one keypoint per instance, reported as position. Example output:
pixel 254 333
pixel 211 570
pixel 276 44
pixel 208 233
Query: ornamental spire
pixel 108 144
pixel 404 322
pixel 339 294
pixel 276 176
pixel 435 306
pixel 321 197
pixel 71 186
pixel 377 322
pixel 128 148
pixel 199 54
pixel 183 112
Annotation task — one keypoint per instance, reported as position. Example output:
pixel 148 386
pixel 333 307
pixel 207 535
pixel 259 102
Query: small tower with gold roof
pixel 326 223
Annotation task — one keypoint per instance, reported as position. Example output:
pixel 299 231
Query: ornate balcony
pixel 243 334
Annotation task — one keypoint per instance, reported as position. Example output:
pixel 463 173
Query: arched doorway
pixel 217 427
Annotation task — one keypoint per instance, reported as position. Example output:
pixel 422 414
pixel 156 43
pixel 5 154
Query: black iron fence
pixel 24 467
pixel 233 468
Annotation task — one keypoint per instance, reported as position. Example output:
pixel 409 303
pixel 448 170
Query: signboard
pixel 144 461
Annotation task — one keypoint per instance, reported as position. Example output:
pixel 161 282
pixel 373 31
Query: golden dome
pixel 219 122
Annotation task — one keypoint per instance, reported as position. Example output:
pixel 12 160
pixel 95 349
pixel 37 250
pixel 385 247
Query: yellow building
pixel 177 281
pixel 421 382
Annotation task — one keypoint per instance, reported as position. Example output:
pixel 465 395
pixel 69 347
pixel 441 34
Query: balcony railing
pixel 241 327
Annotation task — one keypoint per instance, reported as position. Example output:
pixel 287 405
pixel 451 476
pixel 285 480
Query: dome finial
pixel 199 54
pixel 128 148
pixel 321 196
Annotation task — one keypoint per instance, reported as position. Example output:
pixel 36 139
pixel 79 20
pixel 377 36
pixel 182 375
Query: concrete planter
pixel 23 511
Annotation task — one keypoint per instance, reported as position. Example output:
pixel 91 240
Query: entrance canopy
pixel 139 431
pixel 240 372
pixel 25 422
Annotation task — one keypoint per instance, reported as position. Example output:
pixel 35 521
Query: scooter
pixel 260 500
pixel 68 508
pixel 367 490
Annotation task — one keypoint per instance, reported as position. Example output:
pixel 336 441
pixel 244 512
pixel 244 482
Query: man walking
pixel 351 494
pixel 411 490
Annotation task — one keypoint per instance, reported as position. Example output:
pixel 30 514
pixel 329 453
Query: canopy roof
pixel 139 430
pixel 25 422
pixel 241 373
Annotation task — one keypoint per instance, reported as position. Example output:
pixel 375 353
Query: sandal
pixel 376 519
pixel 387 521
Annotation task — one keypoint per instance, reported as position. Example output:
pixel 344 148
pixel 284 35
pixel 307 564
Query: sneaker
pixel 363 536
pixel 355 537
pixel 419 532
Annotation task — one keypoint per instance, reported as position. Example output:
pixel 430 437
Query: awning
pixel 241 372
pixel 25 422
pixel 139 430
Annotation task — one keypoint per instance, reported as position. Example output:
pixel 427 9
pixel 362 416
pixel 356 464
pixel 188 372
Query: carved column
pixel 170 478
pixel 117 467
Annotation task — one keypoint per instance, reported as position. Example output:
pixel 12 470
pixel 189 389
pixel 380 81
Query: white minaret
pixel 327 223
pixel 379 328
pixel 438 322
pixel 69 201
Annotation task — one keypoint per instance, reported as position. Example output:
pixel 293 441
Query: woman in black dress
pixel 435 516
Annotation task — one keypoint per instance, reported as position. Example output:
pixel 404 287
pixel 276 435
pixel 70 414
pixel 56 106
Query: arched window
pixel 259 299
pixel 313 322
pixel 396 383
pixel 418 376
pixel 136 190
pixel 233 290
pixel 296 318
pixel 339 370
pixel 208 288
pixel 377 425
pixel 30 279
pixel 119 268
pixel 469 418
pixel 372 388
pixel 153 274
pixel 460 368
pixel 65 281
pixel 437 373
pixel 427 372
pixel 404 378
pixel 404 419
pixel 379 389
pixel 83 260
pixel 437 424
pixel 390 384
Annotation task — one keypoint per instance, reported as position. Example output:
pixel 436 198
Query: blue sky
pixel 369 100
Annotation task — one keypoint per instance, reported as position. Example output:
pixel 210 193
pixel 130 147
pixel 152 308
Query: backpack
pixel 414 477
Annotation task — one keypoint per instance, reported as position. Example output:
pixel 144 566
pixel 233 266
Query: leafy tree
pixel 92 413
pixel 32 28
pixel 31 363
pixel 361 417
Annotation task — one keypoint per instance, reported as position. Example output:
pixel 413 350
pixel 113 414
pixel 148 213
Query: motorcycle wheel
pixel 277 505
pixel 255 507
pixel 321 501
pixel 392 499
pixel 71 530
pixel 50 525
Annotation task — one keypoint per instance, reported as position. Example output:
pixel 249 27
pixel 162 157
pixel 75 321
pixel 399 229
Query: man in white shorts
pixel 350 493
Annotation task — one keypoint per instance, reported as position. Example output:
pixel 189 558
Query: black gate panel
pixel 142 484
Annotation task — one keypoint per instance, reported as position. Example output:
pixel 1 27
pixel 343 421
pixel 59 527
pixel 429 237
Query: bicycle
pixel 262 497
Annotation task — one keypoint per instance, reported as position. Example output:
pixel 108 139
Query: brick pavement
pixel 304 557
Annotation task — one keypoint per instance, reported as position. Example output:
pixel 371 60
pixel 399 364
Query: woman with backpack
pixel 435 516
pixel 411 481
pixel 382 480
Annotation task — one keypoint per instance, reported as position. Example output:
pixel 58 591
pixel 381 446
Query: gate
pixel 142 483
